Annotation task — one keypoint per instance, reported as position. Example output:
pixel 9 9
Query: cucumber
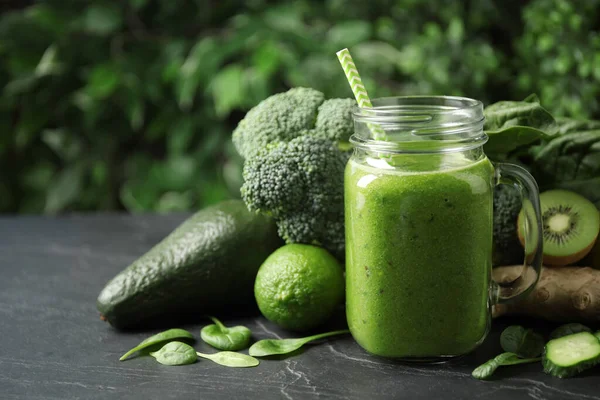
pixel 571 354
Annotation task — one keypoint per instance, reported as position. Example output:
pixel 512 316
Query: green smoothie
pixel 419 245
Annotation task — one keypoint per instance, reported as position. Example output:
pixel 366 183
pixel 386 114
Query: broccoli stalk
pixel 295 147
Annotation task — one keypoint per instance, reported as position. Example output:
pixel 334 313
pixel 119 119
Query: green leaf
pixel 20 85
pixel 231 359
pixel 63 143
pixel 532 98
pixel 570 125
pixel 83 101
pixel 174 202
pixel 180 135
pixel 285 18
pixel 38 176
pixel 528 113
pixel 135 112
pixel 31 121
pixel 223 338
pixel 524 342
pixel 65 190
pixel 512 124
pixel 175 353
pixel 213 192
pixel 103 18
pixel 136 197
pixel 22 62
pixel 227 88
pixel 49 63
pixel 176 173
pixel 195 69
pixel 161 123
pixel 588 188
pixel 456 31
pixel 506 140
pixel 233 176
pixel 267 57
pixel 568 329
pixel 167 335
pixel 99 172
pixel 349 33
pixel 211 144
pixel 270 347
pixel 488 368
pixel 572 157
pixel 374 52
pixel 102 81
pixel 48 17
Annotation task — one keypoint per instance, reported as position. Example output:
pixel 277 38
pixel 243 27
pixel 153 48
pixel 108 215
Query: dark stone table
pixel 54 346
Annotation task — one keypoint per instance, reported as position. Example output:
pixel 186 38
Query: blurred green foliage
pixel 130 104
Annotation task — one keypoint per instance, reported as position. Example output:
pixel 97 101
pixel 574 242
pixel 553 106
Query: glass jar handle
pixel 503 292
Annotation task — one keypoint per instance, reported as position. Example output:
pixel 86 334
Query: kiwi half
pixel 593 257
pixel 570 225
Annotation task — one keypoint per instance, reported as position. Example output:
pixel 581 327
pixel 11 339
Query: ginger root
pixel 562 294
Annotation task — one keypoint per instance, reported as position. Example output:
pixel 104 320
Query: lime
pixel 299 286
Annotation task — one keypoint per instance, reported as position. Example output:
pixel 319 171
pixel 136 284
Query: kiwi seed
pixel 560 224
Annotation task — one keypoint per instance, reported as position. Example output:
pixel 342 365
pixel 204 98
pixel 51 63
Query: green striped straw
pixel 358 88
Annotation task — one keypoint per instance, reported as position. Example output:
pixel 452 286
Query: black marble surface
pixel 54 346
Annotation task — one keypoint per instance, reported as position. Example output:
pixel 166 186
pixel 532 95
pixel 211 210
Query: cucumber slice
pixel 571 354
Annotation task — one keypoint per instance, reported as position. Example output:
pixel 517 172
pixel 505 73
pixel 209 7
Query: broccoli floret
pixel 507 205
pixel 301 184
pixel 296 148
pixel 280 117
pixel 334 120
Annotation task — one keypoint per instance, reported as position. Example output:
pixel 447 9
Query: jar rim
pixel 420 124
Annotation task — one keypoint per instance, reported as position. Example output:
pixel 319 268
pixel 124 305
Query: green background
pixel 110 105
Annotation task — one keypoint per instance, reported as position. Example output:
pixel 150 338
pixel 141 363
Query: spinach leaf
pixel 223 338
pixel 486 369
pixel 512 124
pixel 569 125
pixel 509 139
pixel 588 188
pixel 571 162
pixel 231 359
pixel 568 329
pixel 270 347
pixel 575 155
pixel 170 334
pixel 175 353
pixel 524 342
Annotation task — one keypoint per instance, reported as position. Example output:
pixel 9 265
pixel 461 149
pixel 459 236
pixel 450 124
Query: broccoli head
pixel 507 205
pixel 334 120
pixel 295 148
pixel 280 117
pixel 301 184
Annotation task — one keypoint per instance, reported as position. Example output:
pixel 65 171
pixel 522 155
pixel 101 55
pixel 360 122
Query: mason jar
pixel 418 212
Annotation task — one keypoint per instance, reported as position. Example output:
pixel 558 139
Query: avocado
pixel 209 262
